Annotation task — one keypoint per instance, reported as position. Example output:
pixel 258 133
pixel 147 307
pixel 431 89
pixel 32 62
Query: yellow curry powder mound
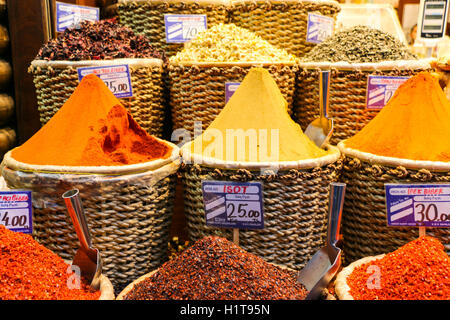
pixel 255 126
pixel 414 125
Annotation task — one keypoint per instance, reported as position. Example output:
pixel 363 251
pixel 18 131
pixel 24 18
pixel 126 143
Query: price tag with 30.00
pixel 16 210
pixel 117 78
pixel 425 205
pixel 233 204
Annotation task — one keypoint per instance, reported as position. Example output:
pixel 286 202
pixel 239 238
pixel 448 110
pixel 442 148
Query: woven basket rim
pixel 230 64
pixel 135 62
pixel 332 157
pixel 341 287
pixel 223 2
pixel 422 64
pixel 11 163
pixel 393 162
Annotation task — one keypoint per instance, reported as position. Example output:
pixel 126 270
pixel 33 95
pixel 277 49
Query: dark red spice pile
pixel 419 270
pixel 102 40
pixel 214 268
pixel 29 271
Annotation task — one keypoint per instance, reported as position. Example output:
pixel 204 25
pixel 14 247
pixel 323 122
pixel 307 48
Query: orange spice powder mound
pixel 415 124
pixel 92 128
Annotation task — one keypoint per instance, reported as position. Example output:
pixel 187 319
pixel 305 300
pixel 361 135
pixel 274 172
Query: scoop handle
pixel 76 213
pixel 337 195
pixel 324 92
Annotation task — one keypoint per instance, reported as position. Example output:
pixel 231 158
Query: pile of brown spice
pixel 214 268
pixel 29 271
pixel 419 270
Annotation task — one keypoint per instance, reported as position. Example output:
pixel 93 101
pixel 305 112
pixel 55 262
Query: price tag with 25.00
pixel 233 204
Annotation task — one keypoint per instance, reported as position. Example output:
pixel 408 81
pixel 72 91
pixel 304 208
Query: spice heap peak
pixel 255 126
pixel 214 268
pixel 419 270
pixel 92 128
pixel 415 123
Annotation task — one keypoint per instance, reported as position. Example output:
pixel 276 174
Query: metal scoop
pixel 321 129
pixel 322 267
pixel 86 258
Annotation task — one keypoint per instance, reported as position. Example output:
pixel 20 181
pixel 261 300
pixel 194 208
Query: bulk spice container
pixel 125 177
pixel 295 173
pixel 283 23
pixel 215 269
pixel 147 17
pixel 29 271
pixel 222 54
pixel 407 142
pixel 352 55
pixel 103 43
pixel 419 270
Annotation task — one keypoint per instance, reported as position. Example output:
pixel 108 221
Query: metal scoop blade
pixel 86 258
pixel 322 267
pixel 321 129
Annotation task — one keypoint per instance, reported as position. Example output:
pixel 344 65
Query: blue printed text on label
pixel 380 90
pixel 416 205
pixel 233 204
pixel 230 88
pixel 318 28
pixel 70 15
pixel 117 78
pixel 183 27
pixel 16 210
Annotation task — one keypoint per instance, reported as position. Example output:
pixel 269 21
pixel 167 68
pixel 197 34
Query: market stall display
pixel 214 268
pixel 403 144
pixel 29 271
pixel 222 54
pixel 352 55
pixel 125 177
pixel 283 23
pixel 101 44
pixel 148 17
pixel 419 270
pixel 295 173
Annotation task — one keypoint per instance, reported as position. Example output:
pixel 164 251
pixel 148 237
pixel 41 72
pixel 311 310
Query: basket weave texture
pixel 197 92
pixel 295 210
pixel 347 98
pixel 147 17
pixel 55 84
pixel 129 218
pixel 364 222
pixel 282 23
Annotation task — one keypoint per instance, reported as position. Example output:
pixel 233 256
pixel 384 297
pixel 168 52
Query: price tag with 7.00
pixel 423 205
pixel 236 205
pixel 16 210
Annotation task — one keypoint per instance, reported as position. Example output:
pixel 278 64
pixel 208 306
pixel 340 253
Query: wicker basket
pixel 55 81
pixel 364 225
pixel 147 17
pixel 295 203
pixel 283 23
pixel 129 209
pixel 197 90
pixel 348 88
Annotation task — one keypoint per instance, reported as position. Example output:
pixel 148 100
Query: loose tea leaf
pixel 102 40
pixel 359 44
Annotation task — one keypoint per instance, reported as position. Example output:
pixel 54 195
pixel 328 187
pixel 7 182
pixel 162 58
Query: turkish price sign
pixel 236 205
pixel 318 28
pixel 16 210
pixel 70 15
pixel 230 88
pixel 117 78
pixel 418 205
pixel 380 90
pixel 183 27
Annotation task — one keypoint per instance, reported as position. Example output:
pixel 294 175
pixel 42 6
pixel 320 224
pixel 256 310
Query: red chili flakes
pixel 29 271
pixel 419 270
pixel 214 268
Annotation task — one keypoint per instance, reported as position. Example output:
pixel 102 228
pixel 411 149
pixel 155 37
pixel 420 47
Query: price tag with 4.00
pixel 236 205
pixel 16 210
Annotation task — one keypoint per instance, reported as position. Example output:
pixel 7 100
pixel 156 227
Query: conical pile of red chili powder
pixel 419 270
pixel 92 128
pixel 29 271
pixel 214 268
